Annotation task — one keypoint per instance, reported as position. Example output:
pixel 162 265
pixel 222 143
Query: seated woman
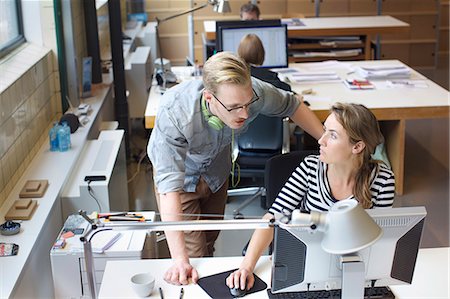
pixel 343 169
pixel 252 51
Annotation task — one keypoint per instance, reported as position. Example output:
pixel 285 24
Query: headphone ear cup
pixel 215 123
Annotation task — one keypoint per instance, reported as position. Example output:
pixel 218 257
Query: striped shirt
pixel 308 188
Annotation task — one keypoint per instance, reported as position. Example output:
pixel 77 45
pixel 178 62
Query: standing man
pixel 190 148
pixel 249 12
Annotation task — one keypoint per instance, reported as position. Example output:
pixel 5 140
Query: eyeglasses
pixel 239 108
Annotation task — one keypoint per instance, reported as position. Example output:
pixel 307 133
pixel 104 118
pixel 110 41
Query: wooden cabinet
pixel 417 48
pixel 443 49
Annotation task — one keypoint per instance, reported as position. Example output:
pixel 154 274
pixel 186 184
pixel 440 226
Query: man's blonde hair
pixel 225 67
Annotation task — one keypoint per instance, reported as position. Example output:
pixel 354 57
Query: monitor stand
pixel 352 276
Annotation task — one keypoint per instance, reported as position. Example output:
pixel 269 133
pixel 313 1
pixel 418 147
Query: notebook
pixel 102 240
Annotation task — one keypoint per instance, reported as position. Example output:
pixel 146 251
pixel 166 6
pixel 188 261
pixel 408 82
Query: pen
pixel 161 295
pixel 181 293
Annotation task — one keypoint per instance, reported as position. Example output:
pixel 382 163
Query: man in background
pixel 249 12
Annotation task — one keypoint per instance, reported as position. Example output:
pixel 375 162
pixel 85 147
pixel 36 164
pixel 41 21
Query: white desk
pixel 116 279
pixel 431 277
pixel 391 106
pixel 183 73
pixel 365 26
pixel 323 26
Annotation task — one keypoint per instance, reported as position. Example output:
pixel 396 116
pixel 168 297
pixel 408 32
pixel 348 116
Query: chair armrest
pixel 286 137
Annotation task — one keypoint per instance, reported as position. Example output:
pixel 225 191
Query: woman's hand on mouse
pixel 241 278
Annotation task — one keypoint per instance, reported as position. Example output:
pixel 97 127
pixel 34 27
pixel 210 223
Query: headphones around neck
pixel 213 121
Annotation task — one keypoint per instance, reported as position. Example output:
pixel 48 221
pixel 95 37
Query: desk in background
pixel 391 106
pixel 183 73
pixel 431 276
pixel 366 27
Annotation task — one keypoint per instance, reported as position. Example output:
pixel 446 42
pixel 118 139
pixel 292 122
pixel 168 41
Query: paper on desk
pixel 300 77
pixel 287 70
pixel 407 84
pixel 330 65
pixel 384 71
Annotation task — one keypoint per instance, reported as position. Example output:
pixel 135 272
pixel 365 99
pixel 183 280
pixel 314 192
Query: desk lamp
pixel 219 6
pixel 347 229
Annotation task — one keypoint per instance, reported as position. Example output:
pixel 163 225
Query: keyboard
pixel 369 293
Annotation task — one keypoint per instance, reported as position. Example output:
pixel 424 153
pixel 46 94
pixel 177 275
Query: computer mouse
pixel 237 292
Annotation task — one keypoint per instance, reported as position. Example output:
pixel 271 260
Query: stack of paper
pixel 384 71
pixel 335 53
pixel 300 77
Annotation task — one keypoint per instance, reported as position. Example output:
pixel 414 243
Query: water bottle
pixel 64 137
pixel 53 137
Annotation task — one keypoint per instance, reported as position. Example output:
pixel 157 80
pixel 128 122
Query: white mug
pixel 143 284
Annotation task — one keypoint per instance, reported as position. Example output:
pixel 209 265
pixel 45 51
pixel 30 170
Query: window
pixel 11 32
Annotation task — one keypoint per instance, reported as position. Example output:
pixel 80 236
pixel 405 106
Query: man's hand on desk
pixel 180 272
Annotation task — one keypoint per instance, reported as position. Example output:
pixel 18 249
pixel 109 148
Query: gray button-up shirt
pixel 183 147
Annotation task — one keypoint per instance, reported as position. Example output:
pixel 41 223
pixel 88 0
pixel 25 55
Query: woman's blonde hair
pixel 225 67
pixel 251 49
pixel 361 125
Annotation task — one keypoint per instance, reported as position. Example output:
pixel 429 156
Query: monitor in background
pixel 272 33
pixel 299 263
pixel 241 23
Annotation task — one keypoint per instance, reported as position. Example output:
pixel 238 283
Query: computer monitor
pixel 273 35
pixel 241 23
pixel 299 263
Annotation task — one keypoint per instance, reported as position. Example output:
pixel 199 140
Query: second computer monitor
pixel 299 263
pixel 272 34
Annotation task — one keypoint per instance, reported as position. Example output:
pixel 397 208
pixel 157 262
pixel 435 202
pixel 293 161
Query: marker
pixel 161 295
pixel 181 293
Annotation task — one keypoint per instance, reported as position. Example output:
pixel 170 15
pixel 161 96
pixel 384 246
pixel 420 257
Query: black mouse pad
pixel 216 287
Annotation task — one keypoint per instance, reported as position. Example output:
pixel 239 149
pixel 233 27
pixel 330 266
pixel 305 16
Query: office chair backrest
pixel 264 134
pixel 278 170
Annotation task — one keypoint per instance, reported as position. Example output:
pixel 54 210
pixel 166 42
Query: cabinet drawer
pixel 395 51
pixel 98 277
pixel 199 29
pixel 176 25
pixel 305 7
pixel 444 16
pixel 423 27
pixel 175 46
pixel 424 5
pixel 271 7
pixel 156 4
pixel 334 8
pixel 443 40
pixel 422 54
pixel 443 61
pixel 395 6
pixel 363 7
pixel 100 263
pixel 198 55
